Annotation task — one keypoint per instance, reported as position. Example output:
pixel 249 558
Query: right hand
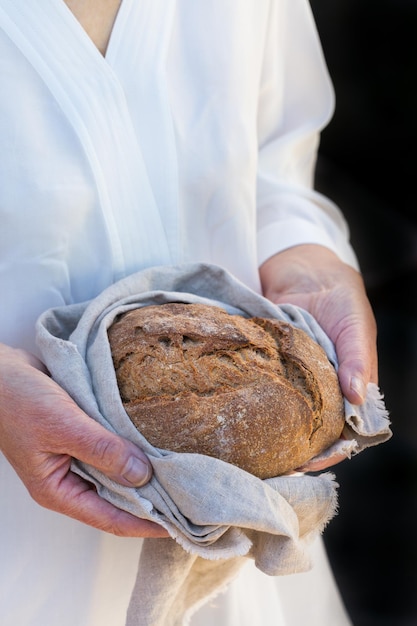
pixel 42 429
pixel 314 278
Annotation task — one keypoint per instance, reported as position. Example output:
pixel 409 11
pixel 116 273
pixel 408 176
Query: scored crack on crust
pixel 257 393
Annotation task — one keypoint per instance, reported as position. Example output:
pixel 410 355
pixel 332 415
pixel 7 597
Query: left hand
pixel 42 430
pixel 315 279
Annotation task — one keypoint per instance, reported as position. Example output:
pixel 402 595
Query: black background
pixel 367 164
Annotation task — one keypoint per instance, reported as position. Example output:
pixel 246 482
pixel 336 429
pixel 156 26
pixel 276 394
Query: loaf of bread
pixel 257 393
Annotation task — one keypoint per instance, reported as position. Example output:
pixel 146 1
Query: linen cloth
pixel 216 514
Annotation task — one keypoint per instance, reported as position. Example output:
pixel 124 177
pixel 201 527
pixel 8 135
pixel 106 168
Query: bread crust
pixel 257 393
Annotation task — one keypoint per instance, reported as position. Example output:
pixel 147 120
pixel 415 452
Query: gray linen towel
pixel 217 515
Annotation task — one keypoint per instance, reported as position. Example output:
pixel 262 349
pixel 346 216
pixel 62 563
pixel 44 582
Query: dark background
pixel 367 165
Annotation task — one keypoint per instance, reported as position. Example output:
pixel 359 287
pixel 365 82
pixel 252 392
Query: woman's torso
pixel 146 156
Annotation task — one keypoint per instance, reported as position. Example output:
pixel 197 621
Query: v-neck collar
pixel 77 25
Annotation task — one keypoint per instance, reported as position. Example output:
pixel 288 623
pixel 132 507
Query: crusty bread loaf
pixel 258 393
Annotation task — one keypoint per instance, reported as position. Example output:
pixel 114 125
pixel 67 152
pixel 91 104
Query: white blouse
pixel 193 139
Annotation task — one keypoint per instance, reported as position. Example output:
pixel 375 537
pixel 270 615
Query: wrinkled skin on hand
pixel 41 429
pixel 314 278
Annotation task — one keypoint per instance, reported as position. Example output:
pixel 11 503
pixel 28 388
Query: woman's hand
pixel 42 429
pixel 314 278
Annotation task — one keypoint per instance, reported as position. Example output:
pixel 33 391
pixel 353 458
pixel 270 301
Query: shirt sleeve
pixel 296 101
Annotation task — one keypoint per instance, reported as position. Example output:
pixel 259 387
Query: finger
pixel 111 454
pixel 116 457
pixel 353 379
pixel 76 498
pixel 357 356
pixel 62 427
pixel 66 429
pixel 317 466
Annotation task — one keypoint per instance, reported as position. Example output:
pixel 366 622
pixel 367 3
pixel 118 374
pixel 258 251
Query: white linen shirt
pixel 193 139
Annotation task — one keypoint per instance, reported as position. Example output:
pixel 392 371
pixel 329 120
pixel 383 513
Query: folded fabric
pixel 216 514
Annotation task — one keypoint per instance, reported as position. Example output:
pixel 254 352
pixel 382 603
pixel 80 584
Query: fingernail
pixel 139 472
pixel 358 386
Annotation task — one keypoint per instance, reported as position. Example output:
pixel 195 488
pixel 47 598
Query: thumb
pixel 119 459
pixel 353 381
pixel 48 422
pixel 111 454
pixel 357 358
